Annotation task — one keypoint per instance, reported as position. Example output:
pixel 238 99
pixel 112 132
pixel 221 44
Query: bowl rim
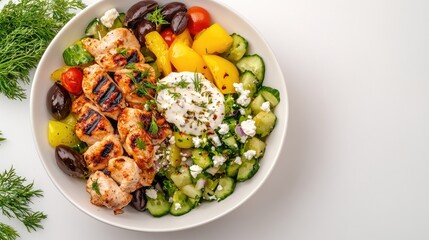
pixel 34 111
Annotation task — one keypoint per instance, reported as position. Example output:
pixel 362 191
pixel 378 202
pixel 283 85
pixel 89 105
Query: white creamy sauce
pixel 191 102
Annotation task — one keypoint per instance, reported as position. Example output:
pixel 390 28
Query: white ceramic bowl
pixel 74 189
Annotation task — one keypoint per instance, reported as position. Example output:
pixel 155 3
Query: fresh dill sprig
pixel 95 186
pixel 157 17
pixel 2 139
pixel 27 28
pixel 7 232
pixel 153 127
pixel 15 200
pixel 197 82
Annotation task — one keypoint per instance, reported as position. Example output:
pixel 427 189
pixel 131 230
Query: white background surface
pixel 355 164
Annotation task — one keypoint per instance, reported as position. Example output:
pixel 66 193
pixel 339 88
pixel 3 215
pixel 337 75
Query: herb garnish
pixel 153 127
pixel 141 144
pixel 27 28
pixel 182 83
pixel 15 198
pixel 197 82
pixel 1 138
pixel 157 17
pixel 95 186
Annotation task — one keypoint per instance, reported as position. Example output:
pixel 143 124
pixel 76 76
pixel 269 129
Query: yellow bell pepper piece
pixel 159 47
pixel 214 40
pixel 185 37
pixel 185 58
pixel 224 72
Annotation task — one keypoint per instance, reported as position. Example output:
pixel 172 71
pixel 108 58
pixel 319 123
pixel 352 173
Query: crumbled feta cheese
pixel 238 160
pixel 218 160
pixel 223 128
pixel 265 106
pixel 244 98
pixel 172 140
pixel 184 159
pixel 177 206
pixel 109 17
pixel 197 141
pixel 195 170
pixel 243 139
pixel 249 154
pixel 151 193
pixel 242 111
pixel 249 127
pixel 215 139
pixel 219 187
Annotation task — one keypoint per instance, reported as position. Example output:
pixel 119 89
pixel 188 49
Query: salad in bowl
pixel 159 108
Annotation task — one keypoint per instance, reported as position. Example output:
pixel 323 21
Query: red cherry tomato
pixel 168 36
pixel 199 19
pixel 71 80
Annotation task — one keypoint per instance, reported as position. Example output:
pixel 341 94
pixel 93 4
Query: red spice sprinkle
pixel 225 75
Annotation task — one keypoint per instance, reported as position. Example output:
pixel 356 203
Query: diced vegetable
pixel 182 177
pixel 190 191
pixel 183 140
pixel 174 159
pixel 247 170
pixel 238 49
pixel 180 204
pixel 256 104
pixel 225 73
pixel 159 47
pixel 158 207
pixel 61 133
pixel 225 188
pixel 255 64
pixel 232 169
pixel 213 40
pixel 264 122
pixel 119 22
pixel 96 29
pixel 201 158
pixel 256 144
pixel 249 81
pixel 76 55
pixel 272 95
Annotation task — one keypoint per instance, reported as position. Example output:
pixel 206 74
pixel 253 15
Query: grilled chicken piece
pixel 132 117
pixel 104 191
pixel 97 156
pixel 102 91
pixel 126 173
pixel 115 50
pixel 92 126
pixel 78 103
pixel 134 82
pixel 138 144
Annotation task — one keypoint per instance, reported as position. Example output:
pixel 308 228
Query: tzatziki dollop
pixel 191 102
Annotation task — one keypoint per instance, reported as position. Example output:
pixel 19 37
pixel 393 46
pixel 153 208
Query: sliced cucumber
pixel 253 63
pixel 247 170
pixel 232 169
pixel 264 123
pixel 272 95
pixel 256 104
pixel 96 29
pixel 182 177
pixel 238 48
pixel 225 188
pixel 191 191
pixel 180 204
pixel 201 158
pixel 249 81
pixel 230 142
pixel 158 207
pixel 119 22
pixel 256 144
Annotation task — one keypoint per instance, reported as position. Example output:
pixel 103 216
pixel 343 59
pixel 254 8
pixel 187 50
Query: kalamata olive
pixel 179 22
pixel 58 102
pixel 144 27
pixel 138 11
pixel 139 199
pixel 170 9
pixel 70 161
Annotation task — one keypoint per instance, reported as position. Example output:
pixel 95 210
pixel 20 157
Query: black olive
pixel 138 11
pixel 179 22
pixel 144 27
pixel 170 9
pixel 139 199
pixel 70 161
pixel 58 102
